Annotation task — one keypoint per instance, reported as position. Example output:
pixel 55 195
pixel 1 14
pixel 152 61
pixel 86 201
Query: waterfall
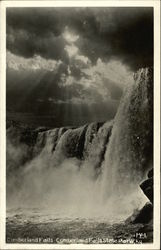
pixel 95 166
pixel 129 153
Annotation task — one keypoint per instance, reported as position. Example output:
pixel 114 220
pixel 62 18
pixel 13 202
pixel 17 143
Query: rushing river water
pixel 35 226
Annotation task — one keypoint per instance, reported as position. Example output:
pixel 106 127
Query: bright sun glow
pixel 71 50
pixel 69 36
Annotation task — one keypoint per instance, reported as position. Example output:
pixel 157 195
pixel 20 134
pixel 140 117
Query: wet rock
pixel 147 186
pixel 147 230
pixel 150 173
pixel 145 215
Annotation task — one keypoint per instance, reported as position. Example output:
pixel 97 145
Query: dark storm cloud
pixel 122 33
pixel 26 44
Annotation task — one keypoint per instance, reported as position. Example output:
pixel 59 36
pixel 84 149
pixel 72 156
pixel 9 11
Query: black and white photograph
pixel 80 125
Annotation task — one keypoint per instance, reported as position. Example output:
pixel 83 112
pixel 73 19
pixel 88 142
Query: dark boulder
pixel 145 215
pixel 150 173
pixel 147 186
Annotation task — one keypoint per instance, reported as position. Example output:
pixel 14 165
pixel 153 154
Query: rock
pixel 147 230
pixel 147 186
pixel 150 173
pixel 145 215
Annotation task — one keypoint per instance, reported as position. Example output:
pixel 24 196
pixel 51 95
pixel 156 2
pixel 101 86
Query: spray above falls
pixel 92 169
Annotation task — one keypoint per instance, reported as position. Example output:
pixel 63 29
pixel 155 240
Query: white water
pixel 87 171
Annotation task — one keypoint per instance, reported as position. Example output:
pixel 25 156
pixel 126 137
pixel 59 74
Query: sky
pixel 69 66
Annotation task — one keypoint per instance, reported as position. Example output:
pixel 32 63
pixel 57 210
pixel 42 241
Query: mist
pixel 90 171
pixel 68 191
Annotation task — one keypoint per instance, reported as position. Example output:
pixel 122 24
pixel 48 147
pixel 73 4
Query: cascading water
pixel 92 170
pixel 129 153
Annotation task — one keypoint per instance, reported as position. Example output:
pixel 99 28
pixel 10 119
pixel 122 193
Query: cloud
pixel 124 34
pixel 113 70
pixel 35 63
pixel 72 50
pixel 36 79
pixel 69 36
pixel 59 94
pixel 83 60
pixel 26 44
